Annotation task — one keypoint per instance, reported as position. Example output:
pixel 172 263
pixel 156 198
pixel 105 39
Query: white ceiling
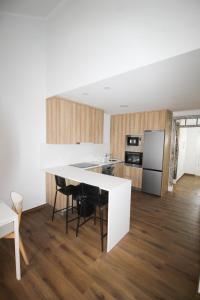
pixel 31 8
pixel 173 84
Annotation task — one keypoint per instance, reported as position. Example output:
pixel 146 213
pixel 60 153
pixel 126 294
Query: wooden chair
pixel 7 231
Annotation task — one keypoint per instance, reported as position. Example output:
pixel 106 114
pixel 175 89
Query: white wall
pixel 22 94
pixel 53 155
pixel 92 40
pixel 192 156
pixel 182 153
pixel 186 113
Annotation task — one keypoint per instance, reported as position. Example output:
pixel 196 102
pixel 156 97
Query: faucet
pixel 106 155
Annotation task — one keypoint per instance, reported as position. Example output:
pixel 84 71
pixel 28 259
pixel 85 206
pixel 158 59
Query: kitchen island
pixel 119 201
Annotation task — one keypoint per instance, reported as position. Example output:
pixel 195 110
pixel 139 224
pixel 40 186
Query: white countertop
pixel 103 181
pixel 101 164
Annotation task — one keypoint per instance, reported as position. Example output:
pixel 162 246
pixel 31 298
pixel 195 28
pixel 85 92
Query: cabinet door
pixel 96 170
pixel 118 170
pixel 134 174
pixel 136 123
pixel 68 122
pixel 154 120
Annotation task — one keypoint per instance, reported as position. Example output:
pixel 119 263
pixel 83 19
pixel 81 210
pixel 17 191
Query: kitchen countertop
pixel 103 181
pixel 119 200
pixel 96 164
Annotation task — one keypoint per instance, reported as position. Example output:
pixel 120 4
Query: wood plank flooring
pixel 158 260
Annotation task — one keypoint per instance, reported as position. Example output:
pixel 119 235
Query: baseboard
pixel 136 189
pixel 34 209
pixel 180 177
pixel 188 174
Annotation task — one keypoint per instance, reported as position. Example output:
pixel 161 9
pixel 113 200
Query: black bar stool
pixel 89 200
pixel 66 190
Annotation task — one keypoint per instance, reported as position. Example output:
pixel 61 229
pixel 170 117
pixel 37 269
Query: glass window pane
pixel 199 121
pixel 191 121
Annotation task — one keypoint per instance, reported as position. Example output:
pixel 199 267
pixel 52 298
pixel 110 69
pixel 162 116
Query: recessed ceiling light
pixel 106 87
pixel 124 105
pixel 85 94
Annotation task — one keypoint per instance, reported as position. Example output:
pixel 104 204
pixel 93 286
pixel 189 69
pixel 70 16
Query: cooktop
pixel 84 165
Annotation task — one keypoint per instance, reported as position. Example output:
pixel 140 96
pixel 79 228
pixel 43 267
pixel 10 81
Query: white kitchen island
pixel 119 201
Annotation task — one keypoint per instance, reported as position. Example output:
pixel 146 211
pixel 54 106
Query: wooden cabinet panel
pixel 69 122
pixel 96 170
pixel 134 174
pixel 154 120
pixel 167 147
pixel 118 170
pixel 136 125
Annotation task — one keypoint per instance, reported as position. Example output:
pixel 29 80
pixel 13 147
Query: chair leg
pixel 78 220
pixel 54 206
pixel 72 204
pixel 23 252
pixel 95 215
pixel 84 211
pixel 101 225
pixel 67 207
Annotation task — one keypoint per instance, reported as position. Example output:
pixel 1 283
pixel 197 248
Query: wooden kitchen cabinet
pixel 134 174
pixel 96 169
pixel 155 120
pixel 137 123
pixel 118 170
pixel 68 122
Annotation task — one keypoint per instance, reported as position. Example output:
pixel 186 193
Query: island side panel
pixel 119 206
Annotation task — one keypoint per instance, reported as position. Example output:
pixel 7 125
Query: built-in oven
pixel 133 158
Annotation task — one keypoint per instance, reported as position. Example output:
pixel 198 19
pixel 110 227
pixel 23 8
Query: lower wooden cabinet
pixel 118 170
pixel 96 169
pixel 134 174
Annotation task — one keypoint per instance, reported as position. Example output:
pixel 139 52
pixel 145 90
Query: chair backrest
pixel 17 201
pixel 90 191
pixel 60 181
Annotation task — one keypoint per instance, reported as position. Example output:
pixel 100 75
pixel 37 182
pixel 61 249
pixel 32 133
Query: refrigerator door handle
pixel 152 170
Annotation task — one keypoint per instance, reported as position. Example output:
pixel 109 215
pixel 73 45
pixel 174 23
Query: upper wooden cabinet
pixel 68 122
pixel 155 120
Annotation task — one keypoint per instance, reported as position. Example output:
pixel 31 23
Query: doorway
pixel 186 147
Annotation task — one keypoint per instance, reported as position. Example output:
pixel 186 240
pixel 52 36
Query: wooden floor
pixel 159 259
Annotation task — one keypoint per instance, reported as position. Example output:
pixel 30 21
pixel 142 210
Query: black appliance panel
pixel 133 141
pixel 133 158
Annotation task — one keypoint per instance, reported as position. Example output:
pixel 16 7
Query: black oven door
pixel 133 158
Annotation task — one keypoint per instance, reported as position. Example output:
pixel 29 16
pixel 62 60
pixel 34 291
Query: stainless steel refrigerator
pixel 153 162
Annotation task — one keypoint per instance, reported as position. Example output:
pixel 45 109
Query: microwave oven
pixel 133 140
pixel 133 158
